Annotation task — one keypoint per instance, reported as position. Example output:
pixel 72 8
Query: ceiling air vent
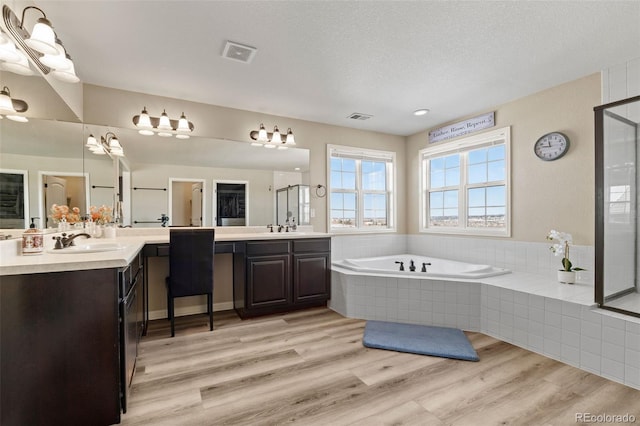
pixel 358 116
pixel 239 52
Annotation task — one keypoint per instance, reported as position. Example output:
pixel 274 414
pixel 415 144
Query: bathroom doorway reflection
pixel 186 202
pixel 68 189
pixel 231 203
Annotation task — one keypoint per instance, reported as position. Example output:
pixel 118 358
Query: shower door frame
pixel 600 199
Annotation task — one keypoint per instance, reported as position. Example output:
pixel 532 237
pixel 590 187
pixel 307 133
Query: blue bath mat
pixel 419 339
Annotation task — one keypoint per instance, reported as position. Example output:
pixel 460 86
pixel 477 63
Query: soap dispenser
pixel 32 239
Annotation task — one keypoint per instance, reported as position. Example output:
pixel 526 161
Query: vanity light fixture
pixel 108 145
pixel 272 140
pixel 41 45
pixel 10 107
pixel 12 59
pixel 163 125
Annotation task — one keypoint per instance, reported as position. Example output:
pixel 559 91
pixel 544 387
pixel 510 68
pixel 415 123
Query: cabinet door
pixel 311 279
pixel 268 281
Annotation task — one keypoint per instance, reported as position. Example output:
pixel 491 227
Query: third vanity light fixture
pixel 42 45
pixel 108 144
pixel 163 125
pixel 272 140
pixel 10 107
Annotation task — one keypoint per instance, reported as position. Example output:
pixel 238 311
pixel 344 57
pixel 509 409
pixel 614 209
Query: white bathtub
pixel 435 268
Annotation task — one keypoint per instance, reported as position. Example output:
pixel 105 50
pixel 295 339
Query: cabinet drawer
pixel 317 245
pixel 267 248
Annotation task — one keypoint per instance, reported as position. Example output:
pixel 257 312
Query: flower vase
pixel 567 277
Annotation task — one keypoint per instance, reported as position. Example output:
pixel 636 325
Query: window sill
pixel 467 232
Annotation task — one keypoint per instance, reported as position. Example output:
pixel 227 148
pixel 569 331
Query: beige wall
pixel 112 107
pixel 544 194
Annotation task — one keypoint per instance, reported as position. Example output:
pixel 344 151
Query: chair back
pixel 191 261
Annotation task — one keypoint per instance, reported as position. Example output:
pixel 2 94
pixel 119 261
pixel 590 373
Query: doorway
pixel 186 202
pixel 231 203
pixel 68 189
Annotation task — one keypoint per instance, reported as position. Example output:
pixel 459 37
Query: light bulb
pixel 290 140
pixel 165 123
pixel 6 105
pixel 144 121
pixel 42 39
pixel 57 61
pixel 67 75
pixel 183 124
pixel 262 134
pixel 276 138
pixel 91 141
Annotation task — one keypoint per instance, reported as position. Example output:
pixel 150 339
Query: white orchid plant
pixel 562 241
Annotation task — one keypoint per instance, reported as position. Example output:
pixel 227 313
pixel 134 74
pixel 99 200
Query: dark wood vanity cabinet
pixel 282 275
pixel 60 348
pixel 68 344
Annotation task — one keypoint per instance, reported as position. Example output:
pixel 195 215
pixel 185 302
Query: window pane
pixel 496 170
pixel 496 153
pixel 452 177
pixel 348 165
pixel 496 196
pixel 478 156
pixel 437 179
pixel 478 173
pixel 437 164
pixel 451 199
pixel 336 164
pixel 477 197
pixel 376 214
pixel 373 175
pixel 452 161
pixel 336 179
pixel 349 201
pixel 337 201
pixel 436 199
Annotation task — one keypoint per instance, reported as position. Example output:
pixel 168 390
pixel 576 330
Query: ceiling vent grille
pixel 239 52
pixel 358 116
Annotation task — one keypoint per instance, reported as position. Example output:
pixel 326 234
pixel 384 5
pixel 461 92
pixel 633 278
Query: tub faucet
pixel 401 265
pixel 412 267
pixel 424 266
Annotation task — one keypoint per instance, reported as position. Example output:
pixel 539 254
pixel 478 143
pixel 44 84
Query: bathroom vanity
pixel 70 324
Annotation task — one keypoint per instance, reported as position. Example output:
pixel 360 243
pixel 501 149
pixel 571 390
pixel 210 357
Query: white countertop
pixel 13 262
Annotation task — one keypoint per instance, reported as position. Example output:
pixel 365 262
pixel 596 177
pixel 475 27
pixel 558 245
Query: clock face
pixel 551 146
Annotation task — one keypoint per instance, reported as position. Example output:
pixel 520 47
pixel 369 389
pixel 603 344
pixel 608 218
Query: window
pixel 361 184
pixel 465 185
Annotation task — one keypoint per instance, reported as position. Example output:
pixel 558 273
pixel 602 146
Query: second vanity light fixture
pixel 163 125
pixel 272 139
pixel 108 145
pixel 42 45
pixel 10 107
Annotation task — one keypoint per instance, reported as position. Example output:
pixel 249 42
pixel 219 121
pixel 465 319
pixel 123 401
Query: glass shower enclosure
pixel 617 132
pixel 292 205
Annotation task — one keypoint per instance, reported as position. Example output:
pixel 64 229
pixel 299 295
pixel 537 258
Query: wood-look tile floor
pixel 310 368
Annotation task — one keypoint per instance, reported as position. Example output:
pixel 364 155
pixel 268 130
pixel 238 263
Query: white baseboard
pixel 190 310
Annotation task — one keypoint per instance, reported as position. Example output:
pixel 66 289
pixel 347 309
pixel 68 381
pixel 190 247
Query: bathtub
pixel 435 268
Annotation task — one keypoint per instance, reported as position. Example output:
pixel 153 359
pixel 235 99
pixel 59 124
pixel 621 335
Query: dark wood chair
pixel 190 268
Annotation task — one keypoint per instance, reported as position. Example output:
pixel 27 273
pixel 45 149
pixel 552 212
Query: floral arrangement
pixel 64 214
pixel 561 248
pixel 101 215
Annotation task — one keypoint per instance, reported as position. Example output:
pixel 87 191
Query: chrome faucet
pixel 67 240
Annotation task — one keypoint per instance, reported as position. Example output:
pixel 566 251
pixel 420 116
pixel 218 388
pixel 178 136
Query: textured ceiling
pixel 323 60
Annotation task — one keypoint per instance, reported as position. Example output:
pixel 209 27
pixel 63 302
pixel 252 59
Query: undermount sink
pixel 89 248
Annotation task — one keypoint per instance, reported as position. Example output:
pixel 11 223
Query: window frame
pixel 464 145
pixel 363 154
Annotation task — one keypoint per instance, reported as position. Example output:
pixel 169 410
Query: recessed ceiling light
pixel 420 112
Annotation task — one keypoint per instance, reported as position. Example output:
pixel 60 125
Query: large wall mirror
pixel 138 185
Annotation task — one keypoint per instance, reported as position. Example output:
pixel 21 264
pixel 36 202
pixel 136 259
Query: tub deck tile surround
pixel 527 308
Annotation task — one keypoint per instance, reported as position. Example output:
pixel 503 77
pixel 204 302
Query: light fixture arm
pixel 44 16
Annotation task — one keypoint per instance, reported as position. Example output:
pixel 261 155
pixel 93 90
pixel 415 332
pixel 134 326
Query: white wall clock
pixel 551 146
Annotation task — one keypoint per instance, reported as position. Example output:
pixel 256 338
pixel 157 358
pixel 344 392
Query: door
pixel 196 204
pixel 55 192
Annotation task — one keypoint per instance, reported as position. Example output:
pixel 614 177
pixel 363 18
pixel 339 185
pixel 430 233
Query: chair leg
pixel 210 310
pixel 172 317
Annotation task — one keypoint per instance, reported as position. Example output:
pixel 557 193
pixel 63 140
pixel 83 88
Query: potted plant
pixel 562 240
